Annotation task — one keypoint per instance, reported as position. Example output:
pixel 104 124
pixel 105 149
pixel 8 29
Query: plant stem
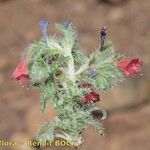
pixel 82 69
pixel 71 71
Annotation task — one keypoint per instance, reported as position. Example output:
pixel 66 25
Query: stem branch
pixel 82 69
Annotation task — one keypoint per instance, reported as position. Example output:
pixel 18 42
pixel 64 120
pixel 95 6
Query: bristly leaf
pixel 46 132
pixel 70 36
pixel 97 125
pixel 49 94
pixel 43 103
pixel 39 71
pixel 106 72
pixel 39 52
pixel 107 76
pixel 78 55
pixel 107 55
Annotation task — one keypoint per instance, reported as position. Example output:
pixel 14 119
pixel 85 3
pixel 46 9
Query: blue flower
pixel 66 24
pixel 43 26
pixel 92 72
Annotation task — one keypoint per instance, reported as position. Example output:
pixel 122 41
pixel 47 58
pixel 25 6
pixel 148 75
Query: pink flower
pixel 90 97
pixel 130 67
pixel 21 71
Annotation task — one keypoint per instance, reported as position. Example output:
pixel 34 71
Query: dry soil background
pixel 127 127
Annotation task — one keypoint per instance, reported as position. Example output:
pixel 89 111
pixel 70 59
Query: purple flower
pixel 103 33
pixel 92 72
pixel 43 26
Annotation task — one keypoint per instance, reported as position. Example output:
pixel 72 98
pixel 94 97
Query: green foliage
pixel 78 55
pixel 46 132
pixel 69 35
pixel 97 125
pixel 61 81
pixel 39 53
pixel 107 73
pixel 70 43
pixel 50 94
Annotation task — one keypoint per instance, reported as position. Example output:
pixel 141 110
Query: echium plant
pixel 71 81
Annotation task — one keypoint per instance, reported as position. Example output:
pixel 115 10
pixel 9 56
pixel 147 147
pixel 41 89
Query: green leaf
pixel 49 94
pixel 41 48
pixel 92 59
pixel 79 57
pixel 46 133
pixel 70 36
pixel 43 102
pixel 38 54
pixel 38 71
pixel 85 78
pixel 107 75
pixel 108 55
pixel 98 126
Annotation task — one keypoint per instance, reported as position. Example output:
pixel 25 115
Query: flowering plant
pixel 72 81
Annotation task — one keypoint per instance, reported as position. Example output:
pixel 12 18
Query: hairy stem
pixel 82 69
pixel 71 71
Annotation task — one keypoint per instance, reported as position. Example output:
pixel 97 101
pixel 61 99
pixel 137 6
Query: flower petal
pixel 21 71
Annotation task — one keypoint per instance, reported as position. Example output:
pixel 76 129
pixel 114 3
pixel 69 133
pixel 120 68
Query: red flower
pixel 130 67
pixel 86 85
pixel 21 71
pixel 90 97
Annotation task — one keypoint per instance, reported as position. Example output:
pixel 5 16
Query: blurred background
pixel 128 104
